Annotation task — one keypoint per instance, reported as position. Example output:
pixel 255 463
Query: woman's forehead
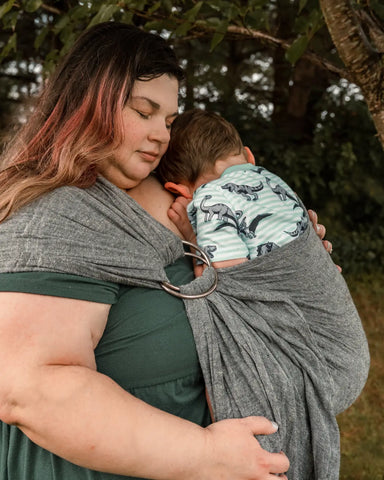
pixel 160 92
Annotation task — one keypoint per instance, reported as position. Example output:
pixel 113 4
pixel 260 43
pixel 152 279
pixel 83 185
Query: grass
pixel 362 425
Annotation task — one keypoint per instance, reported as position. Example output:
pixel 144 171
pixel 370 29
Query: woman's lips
pixel 150 156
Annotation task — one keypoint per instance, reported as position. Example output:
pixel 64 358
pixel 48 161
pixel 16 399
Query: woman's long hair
pixel 77 122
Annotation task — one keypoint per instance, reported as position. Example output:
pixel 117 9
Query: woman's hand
pixel 50 389
pixel 321 231
pixel 233 452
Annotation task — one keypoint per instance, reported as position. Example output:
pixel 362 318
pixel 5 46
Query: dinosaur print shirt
pixel 245 213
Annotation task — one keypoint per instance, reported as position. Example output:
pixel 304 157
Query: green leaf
pixel 229 10
pixel 302 5
pixel 309 23
pixel 60 24
pixel 79 12
pixel 6 7
pixel 315 22
pixel 167 4
pixel 10 20
pixel 219 34
pixel 191 14
pixel 297 49
pixel 257 20
pixel 137 5
pixel 104 14
pixel 31 6
pixel 50 62
pixel 65 35
pixel 183 29
pixel 213 22
pixel 126 17
pixel 11 45
pixel 216 39
pixel 68 38
pixel 156 25
pixel 155 7
pixel 40 38
pixel 258 3
pixel 378 7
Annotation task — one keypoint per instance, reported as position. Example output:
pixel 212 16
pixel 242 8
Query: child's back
pixel 247 212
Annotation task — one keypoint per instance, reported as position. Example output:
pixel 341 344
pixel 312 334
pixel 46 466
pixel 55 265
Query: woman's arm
pixel 50 389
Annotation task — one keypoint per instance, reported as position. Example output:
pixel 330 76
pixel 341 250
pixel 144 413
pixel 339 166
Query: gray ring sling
pixel 278 337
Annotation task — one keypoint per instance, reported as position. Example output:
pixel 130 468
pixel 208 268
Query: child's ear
pixel 179 189
pixel 249 155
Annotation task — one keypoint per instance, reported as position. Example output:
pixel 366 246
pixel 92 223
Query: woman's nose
pixel 160 133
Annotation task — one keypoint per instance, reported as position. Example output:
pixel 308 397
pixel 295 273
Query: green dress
pixel 147 348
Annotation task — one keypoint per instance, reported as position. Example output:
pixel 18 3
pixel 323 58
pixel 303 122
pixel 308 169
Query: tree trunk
pixel 189 82
pixel 296 88
pixel 361 57
pixel 282 70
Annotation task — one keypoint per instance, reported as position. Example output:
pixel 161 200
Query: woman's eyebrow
pixel 154 105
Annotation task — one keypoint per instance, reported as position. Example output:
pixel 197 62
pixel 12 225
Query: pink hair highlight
pixel 68 153
pixel 78 121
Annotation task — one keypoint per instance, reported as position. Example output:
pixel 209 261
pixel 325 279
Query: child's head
pixel 198 139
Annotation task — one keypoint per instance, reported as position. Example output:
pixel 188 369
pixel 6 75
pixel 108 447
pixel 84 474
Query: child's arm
pixel 198 269
pixel 229 263
pixel 177 212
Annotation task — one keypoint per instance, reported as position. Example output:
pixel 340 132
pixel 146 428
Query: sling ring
pixel 175 291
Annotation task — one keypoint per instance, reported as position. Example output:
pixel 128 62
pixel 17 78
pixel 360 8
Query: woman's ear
pixel 249 155
pixel 179 189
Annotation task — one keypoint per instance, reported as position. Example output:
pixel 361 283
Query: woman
pixel 99 367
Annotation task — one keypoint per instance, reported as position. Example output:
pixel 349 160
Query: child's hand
pixel 178 214
pixel 198 269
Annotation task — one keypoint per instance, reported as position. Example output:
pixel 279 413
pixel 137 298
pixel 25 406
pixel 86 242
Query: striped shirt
pixel 247 212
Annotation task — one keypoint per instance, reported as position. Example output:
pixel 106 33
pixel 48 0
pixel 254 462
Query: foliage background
pixel 270 67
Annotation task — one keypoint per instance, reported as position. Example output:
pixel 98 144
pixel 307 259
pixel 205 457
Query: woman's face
pixel 147 120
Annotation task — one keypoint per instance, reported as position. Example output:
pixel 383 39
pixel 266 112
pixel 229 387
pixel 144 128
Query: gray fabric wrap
pixel 280 337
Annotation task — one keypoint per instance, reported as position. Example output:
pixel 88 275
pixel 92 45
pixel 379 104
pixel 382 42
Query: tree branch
pixel 375 32
pixel 242 32
pixel 312 57
pixel 364 62
pixel 352 44
pixel 22 77
pixel 51 9
pixel 245 33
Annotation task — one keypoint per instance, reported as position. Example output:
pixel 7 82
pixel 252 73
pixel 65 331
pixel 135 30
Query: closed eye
pixel 146 116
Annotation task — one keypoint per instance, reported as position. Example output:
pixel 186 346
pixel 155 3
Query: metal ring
pixel 175 291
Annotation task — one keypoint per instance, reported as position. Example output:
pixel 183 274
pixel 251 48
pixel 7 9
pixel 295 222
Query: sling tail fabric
pixel 280 337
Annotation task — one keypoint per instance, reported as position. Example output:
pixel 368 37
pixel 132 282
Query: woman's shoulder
pixel 152 196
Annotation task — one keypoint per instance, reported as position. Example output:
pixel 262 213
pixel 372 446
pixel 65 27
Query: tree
pixel 296 27
pixel 359 39
pixel 278 69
